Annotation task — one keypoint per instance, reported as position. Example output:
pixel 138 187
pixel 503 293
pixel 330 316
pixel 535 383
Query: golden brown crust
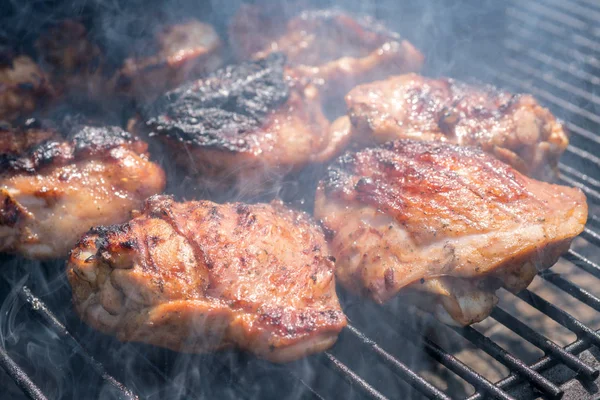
pixel 54 187
pixel 258 277
pixel 514 128
pixel 335 49
pixel 409 211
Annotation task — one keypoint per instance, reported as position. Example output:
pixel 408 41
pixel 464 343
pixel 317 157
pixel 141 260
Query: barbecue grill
pixel 542 343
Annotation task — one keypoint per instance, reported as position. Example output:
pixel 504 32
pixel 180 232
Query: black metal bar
pixel 591 193
pixel 577 292
pixel 352 378
pixel 594 220
pixel 589 181
pixel 457 366
pixel 408 375
pixel 541 365
pixel 38 307
pixel 591 236
pixel 582 262
pixel 560 316
pixel 545 344
pixel 20 377
pixel 562 66
pixel 512 362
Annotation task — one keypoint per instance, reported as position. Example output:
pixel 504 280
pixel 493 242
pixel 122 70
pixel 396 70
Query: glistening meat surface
pixel 512 127
pixel 55 184
pixel 408 212
pixel 200 276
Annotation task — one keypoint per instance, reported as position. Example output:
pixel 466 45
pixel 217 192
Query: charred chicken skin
pixel 337 49
pixel 245 126
pixel 512 127
pixel 200 276
pixel 435 220
pixel 179 52
pixel 54 187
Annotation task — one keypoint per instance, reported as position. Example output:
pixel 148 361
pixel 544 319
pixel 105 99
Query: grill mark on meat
pixel 219 111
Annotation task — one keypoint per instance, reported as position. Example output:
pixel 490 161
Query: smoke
pixel 456 37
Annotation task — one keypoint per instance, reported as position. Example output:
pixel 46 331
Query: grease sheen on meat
pixel 200 276
pixel 245 125
pixel 335 48
pixel 512 127
pixel 443 221
pixel 53 188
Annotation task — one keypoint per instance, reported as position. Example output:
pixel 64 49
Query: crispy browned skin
pixel 449 221
pixel 53 189
pixel 181 52
pixel 245 126
pixel 512 127
pixel 24 88
pixel 338 50
pixel 201 276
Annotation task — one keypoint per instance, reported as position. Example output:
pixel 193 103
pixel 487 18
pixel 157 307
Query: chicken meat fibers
pixel 200 276
pixel 56 183
pixel 443 224
pixel 512 127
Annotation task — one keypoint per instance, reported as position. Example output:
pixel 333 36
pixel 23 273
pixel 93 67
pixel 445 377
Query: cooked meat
pixel 442 220
pixel 23 87
pixel 336 48
pixel 74 61
pixel 201 276
pixel 179 52
pixel 245 126
pixel 514 128
pixel 54 188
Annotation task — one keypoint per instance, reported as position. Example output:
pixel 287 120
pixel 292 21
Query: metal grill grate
pixel 562 71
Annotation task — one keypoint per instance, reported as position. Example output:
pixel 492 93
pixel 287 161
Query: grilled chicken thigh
pixel 245 126
pixel 24 87
pixel 201 276
pixel 514 128
pixel 333 47
pixel 53 188
pixel 179 52
pixel 445 222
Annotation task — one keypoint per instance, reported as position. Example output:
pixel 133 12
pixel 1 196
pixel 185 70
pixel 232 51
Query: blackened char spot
pixel 218 111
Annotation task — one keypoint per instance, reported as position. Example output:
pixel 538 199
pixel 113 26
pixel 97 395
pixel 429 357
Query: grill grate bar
pixel 542 364
pixel 577 292
pixel 527 35
pixel 20 377
pixel 591 236
pixel 560 316
pixel 352 378
pixel 559 84
pixel 554 62
pixel 515 364
pixel 594 220
pixel 545 344
pixel 551 98
pixel 554 15
pixel 38 307
pixel 408 375
pixel 589 181
pixel 574 8
pixel 583 263
pixel 455 365
pixel 591 193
